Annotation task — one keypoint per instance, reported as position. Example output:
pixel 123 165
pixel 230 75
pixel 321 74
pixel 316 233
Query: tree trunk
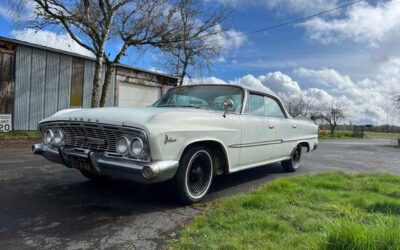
pixel 96 81
pixel 184 68
pixel 333 129
pixel 107 80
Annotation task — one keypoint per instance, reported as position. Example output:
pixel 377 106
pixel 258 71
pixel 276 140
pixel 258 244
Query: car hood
pixel 137 117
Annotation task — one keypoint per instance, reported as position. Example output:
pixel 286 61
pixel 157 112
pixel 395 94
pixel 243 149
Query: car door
pixel 258 133
pixel 284 129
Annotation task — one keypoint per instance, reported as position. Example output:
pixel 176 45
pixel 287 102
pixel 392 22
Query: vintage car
pixel 189 135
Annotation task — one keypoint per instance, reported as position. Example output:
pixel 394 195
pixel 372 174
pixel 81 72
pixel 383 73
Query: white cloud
pixel 204 80
pixel 156 70
pixel 6 13
pixel 50 39
pixel 228 40
pixel 376 26
pixel 326 77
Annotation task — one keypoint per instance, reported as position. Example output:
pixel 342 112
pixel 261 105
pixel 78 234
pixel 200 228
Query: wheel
pixel 194 176
pixel 293 163
pixel 95 177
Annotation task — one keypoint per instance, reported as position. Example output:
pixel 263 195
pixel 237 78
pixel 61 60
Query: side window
pixel 272 108
pixel 257 105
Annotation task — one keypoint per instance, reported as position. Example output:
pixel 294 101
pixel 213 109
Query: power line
pixel 296 20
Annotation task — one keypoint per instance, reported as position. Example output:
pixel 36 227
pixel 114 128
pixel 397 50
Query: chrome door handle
pixel 294 126
pixel 271 126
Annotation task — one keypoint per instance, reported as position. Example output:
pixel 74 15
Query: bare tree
pixel 200 32
pixel 396 104
pixel 300 107
pixel 134 22
pixel 333 115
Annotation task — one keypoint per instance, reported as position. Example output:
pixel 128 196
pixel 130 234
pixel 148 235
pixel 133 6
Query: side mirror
pixel 228 104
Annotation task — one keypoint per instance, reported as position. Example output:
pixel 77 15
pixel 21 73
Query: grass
pixel 338 134
pixel 17 135
pixel 335 137
pixel 321 211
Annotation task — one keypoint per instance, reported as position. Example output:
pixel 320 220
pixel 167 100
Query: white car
pixel 190 134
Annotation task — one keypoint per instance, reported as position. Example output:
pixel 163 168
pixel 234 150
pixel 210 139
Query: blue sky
pixel 350 56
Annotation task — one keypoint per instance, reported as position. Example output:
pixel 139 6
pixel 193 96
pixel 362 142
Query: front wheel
pixel 293 163
pixel 194 176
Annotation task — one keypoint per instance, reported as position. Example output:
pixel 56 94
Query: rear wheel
pixel 194 176
pixel 293 163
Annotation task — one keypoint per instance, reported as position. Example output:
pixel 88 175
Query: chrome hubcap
pixel 199 174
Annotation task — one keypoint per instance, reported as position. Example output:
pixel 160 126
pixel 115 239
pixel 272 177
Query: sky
pixel 349 57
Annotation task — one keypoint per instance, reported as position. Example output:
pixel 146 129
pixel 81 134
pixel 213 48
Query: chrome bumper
pixel 143 172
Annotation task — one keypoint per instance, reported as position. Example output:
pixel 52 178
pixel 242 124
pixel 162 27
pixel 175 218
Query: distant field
pixel 19 135
pixel 382 134
pixel 342 134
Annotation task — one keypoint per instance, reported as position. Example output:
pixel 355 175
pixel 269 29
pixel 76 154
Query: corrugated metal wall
pixel 43 85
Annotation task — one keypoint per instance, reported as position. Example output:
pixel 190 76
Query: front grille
pixel 81 134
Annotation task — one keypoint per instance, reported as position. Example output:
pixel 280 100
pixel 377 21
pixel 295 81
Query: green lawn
pixel 321 211
pixel 16 135
pixel 335 137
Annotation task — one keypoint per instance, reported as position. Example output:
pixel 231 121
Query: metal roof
pixel 33 45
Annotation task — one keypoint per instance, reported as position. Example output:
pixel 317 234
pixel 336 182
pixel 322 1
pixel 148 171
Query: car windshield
pixel 203 96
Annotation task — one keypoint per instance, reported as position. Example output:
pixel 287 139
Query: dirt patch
pixel 26 143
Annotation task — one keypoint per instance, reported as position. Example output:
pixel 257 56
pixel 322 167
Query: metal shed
pixel 37 81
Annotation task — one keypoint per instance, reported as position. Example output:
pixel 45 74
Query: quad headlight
pixel 137 147
pixel 55 138
pixel 48 137
pixel 123 144
pixel 58 137
pixel 133 146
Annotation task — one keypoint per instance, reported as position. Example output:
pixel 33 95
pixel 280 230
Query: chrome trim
pixel 111 166
pixel 263 143
pixel 254 144
pixel 306 138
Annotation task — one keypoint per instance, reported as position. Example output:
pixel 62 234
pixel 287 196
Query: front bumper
pixel 142 172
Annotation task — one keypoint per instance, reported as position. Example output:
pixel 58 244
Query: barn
pixel 37 81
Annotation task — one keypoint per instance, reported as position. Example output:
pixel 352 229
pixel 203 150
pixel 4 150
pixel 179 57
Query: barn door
pixel 7 77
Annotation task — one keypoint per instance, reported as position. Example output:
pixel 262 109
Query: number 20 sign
pixel 5 122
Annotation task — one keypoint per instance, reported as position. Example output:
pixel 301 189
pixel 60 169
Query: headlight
pixel 137 147
pixel 48 137
pixel 58 137
pixel 123 145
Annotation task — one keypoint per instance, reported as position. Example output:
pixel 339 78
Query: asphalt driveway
pixel 47 206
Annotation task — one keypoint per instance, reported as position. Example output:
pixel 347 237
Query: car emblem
pixel 169 139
